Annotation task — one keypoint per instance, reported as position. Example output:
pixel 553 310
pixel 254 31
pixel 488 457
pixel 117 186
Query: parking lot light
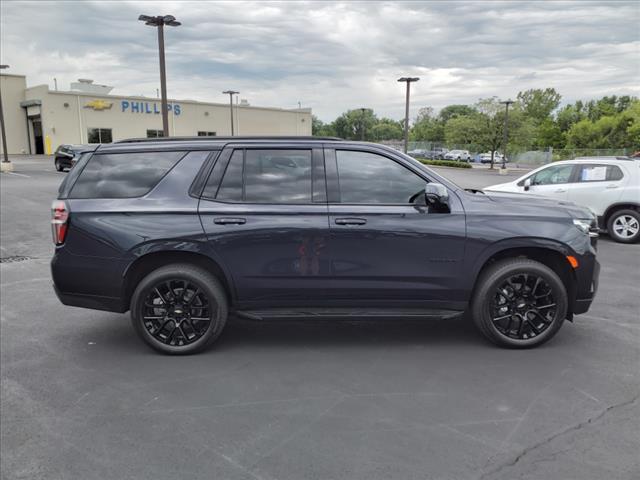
pixel 408 81
pixel 159 22
pixel 231 93
pixel 6 164
pixel 506 104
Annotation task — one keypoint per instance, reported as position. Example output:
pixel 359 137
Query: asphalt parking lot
pixel 83 398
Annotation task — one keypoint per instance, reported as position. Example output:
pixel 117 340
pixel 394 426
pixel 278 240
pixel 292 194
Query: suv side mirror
pixel 436 193
pixel 527 184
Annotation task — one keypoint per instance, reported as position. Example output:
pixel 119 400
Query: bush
pixel 444 163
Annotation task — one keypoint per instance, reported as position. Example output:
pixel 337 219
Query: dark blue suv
pixel 184 232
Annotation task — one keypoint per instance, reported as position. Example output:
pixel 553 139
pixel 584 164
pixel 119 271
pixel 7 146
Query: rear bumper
pixel 88 282
pixel 94 302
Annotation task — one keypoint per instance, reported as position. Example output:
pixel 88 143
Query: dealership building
pixel 39 119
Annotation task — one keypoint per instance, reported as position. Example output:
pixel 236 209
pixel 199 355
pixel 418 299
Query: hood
pixel 518 201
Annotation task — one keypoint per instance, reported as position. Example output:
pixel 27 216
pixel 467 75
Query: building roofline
pixel 12 75
pixel 171 100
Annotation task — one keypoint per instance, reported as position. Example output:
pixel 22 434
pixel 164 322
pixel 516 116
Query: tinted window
pixel 99 135
pixel 369 178
pixel 122 175
pixel 552 175
pixel 599 173
pixel 270 176
pixel 277 176
pixel 231 186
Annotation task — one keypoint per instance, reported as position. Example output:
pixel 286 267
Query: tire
pixel 623 226
pixel 59 166
pixel 201 295
pixel 510 330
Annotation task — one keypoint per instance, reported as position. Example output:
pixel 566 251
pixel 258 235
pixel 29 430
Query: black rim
pixel 523 306
pixel 176 312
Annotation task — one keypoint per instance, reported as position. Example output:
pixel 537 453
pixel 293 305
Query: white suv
pixel 610 187
pixel 459 155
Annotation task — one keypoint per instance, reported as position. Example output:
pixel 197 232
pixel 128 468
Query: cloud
pixel 332 56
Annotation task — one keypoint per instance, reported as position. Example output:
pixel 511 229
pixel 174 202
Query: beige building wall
pixel 67 116
pixel 12 88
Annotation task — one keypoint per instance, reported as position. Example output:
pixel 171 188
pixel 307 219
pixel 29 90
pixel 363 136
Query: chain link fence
pixel 526 157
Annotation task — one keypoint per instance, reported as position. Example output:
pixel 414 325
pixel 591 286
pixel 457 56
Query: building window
pixel 99 135
pixel 206 134
pixel 155 133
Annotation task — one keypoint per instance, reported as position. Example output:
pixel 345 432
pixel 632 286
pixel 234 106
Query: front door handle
pixel 350 221
pixel 612 186
pixel 230 221
pixel 561 190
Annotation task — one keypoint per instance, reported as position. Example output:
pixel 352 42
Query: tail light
pixel 59 221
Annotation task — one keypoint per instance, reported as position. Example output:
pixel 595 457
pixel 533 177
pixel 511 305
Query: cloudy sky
pixel 332 56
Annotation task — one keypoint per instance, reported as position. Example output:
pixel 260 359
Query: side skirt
pixel 345 313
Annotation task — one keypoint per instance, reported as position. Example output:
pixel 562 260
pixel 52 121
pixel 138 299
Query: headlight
pixel 586 226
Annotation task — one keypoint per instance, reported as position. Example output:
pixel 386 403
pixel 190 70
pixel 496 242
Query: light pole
pixel 231 93
pixel 408 81
pixel 5 150
pixel 506 104
pixel 159 22
pixel 363 110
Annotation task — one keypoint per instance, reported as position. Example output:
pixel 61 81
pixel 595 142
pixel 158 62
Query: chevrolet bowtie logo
pixel 99 105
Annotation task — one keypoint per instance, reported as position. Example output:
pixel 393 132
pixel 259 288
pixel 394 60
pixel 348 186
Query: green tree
pixel 427 127
pixel 549 134
pixel 452 111
pixel 463 130
pixel 538 104
pixel 387 129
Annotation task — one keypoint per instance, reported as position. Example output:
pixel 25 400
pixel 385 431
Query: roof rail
pixel 216 138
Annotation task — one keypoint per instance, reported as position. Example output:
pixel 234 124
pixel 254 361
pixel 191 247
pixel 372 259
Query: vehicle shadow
pixel 305 333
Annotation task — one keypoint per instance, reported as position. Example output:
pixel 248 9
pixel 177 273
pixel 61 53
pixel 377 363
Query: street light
pixel 506 104
pixel 408 81
pixel 4 133
pixel 160 22
pixel 363 110
pixel 231 93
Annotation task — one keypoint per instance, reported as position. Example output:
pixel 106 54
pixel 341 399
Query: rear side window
pixel 600 173
pixel 268 176
pixel 123 175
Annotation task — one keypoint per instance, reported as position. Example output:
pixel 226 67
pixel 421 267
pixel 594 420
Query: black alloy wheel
pixel 179 309
pixel 523 306
pixel 519 303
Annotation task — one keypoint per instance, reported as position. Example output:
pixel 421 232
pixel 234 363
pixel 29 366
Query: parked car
pixel 418 153
pixel 65 156
pixel 486 157
pixel 458 155
pixel 183 232
pixel 437 153
pixel 610 187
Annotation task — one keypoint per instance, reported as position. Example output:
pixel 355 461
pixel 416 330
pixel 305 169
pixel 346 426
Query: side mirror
pixel 436 193
pixel 527 184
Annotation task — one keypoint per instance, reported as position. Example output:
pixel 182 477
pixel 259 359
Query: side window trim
pixel 214 176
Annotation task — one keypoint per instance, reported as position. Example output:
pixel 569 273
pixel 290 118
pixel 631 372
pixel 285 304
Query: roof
pixel 226 139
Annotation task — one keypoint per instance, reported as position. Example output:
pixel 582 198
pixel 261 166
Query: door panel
pixel 554 181
pixel 598 186
pixel 275 252
pixel 392 253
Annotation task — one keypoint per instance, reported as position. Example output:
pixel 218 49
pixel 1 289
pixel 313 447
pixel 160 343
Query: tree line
pixel 536 122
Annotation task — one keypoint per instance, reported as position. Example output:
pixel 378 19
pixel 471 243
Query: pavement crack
pixel 571 429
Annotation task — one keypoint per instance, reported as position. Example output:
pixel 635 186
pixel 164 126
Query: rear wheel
pixel 179 309
pixel 519 303
pixel 624 226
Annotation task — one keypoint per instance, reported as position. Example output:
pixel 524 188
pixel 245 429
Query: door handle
pixel 612 186
pixel 229 221
pixel 350 221
pixel 561 190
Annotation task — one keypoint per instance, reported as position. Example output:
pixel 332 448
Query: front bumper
pixel 587 287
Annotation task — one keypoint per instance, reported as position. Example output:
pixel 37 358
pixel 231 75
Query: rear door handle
pixel 229 221
pixel 561 190
pixel 612 186
pixel 350 221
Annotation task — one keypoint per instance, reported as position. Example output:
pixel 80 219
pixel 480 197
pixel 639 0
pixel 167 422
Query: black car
pixel 66 156
pixel 185 232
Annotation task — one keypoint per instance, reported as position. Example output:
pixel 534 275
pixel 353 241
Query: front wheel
pixel 179 309
pixel 624 226
pixel 59 166
pixel 519 303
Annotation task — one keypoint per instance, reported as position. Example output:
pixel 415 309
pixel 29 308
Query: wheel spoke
pixel 546 306
pixel 164 300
